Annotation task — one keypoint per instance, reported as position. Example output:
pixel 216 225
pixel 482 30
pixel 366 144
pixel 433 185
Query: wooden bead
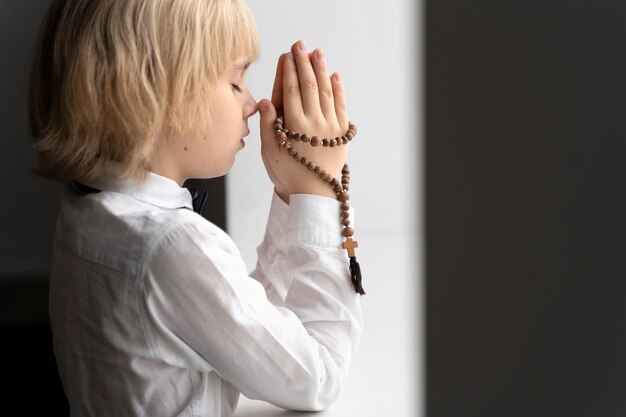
pixel 338 142
pixel 278 126
pixel 331 143
pixel 280 120
pixel 345 170
pixel 348 232
pixel 345 186
pixel 345 221
pixel 345 140
pixel 280 136
pixel 334 182
pixel 317 170
pixel 345 214
pixel 315 141
pixel 305 138
pixel 343 197
pixel 325 142
pixel 304 161
pixel 292 152
pixel 338 188
pixel 345 206
pixel 296 137
pixel 328 177
pixel 349 135
pixel 311 166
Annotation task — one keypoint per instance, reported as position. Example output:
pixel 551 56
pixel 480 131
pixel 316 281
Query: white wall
pixel 376 48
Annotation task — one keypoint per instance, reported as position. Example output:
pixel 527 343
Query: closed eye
pixel 236 88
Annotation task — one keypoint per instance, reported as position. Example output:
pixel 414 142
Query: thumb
pixel 268 115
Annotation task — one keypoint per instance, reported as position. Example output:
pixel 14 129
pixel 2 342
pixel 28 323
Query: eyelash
pixel 236 88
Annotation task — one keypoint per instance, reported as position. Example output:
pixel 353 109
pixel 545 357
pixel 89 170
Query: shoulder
pixel 115 230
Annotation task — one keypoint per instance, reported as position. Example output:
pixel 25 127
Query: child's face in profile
pixel 210 151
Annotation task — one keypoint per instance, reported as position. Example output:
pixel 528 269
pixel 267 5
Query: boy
pixel 152 310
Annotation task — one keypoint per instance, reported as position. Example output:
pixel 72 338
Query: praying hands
pixel 312 102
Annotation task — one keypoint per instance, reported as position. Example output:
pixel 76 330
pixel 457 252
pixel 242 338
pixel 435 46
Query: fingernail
pixel 319 54
pixel 263 106
pixel 302 46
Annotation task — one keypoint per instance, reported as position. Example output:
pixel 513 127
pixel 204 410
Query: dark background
pixel 525 205
pixel 525 199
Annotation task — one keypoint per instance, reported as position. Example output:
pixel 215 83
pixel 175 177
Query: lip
pixel 243 143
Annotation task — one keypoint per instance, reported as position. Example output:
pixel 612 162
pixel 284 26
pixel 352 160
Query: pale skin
pixel 313 101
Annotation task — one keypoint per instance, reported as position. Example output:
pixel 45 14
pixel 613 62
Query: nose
pixel 250 107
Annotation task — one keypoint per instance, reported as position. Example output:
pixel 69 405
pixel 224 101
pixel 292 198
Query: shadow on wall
pixel 26 224
pixel 525 208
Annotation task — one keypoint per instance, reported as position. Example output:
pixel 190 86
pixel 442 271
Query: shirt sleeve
pixel 204 312
pixel 271 254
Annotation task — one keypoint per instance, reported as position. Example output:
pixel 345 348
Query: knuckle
pixel 293 90
pixel 342 106
pixel 320 122
pixel 310 85
pixel 326 92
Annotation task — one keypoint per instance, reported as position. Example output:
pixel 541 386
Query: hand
pixel 314 103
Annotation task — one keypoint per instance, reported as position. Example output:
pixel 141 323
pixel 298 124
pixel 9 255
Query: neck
pixel 165 160
pixel 165 168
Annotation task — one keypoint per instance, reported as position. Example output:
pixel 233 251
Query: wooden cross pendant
pixel 350 245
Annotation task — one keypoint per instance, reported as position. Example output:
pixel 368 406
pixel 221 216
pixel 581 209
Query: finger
pixel 277 90
pixel 268 116
pixel 339 97
pixel 307 80
pixel 270 151
pixel 327 102
pixel 292 101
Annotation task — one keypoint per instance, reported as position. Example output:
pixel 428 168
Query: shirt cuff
pixel 314 220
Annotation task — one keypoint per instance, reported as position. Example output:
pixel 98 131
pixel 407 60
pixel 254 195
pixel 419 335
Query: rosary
pixel 283 136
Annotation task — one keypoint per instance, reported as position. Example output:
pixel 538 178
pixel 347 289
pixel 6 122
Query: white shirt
pixel 154 314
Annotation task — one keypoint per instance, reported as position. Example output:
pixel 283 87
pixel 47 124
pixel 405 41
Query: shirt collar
pixel 155 189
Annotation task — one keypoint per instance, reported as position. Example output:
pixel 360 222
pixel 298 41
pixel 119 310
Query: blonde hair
pixel 109 75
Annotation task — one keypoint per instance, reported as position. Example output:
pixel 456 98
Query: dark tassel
pixel 355 275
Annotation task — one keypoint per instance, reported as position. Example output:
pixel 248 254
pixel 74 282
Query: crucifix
pixel 350 245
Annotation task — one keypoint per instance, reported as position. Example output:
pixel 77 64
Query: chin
pixel 223 171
